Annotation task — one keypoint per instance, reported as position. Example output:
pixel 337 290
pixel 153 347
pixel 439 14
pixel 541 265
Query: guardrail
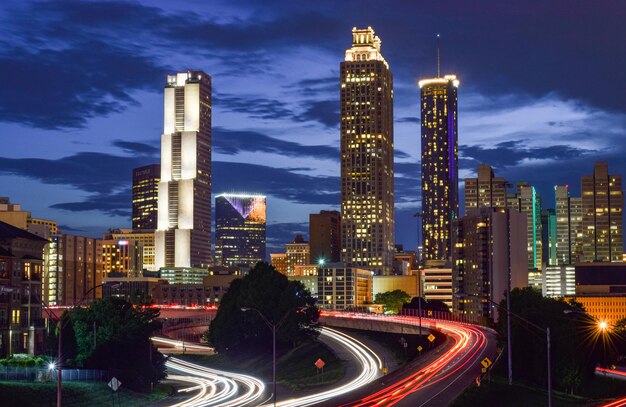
pixel 18 373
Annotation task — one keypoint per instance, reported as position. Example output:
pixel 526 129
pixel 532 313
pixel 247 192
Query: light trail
pixel 469 341
pixel 370 366
pixel 216 387
pixel 180 344
pixel 619 373
pixel 617 403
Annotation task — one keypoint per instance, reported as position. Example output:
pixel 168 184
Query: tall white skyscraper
pixel 183 236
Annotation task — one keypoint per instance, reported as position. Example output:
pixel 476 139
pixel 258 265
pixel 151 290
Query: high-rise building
pixel 488 256
pixel 325 236
pixel 142 240
pixel 146 196
pixel 485 191
pixel 568 226
pixel 548 237
pixel 297 252
pixel 603 202
pixel 367 200
pixel 440 172
pixel 239 229
pixel 15 216
pixel 528 201
pixel 183 236
pixel 121 257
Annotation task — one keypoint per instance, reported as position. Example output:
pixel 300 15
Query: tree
pixel 121 343
pixel 574 355
pixel 392 300
pixel 275 297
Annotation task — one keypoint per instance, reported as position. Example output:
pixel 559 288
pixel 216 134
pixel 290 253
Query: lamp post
pixel 273 328
pixel 508 323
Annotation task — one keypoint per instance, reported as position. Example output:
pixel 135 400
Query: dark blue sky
pixel 542 96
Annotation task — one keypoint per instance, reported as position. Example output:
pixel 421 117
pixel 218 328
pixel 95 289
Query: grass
pixel 499 393
pixel 75 394
pixel 294 367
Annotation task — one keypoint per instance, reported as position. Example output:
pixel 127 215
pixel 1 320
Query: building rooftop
pixel 11 232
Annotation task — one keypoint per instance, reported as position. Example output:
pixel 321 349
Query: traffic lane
pixel 443 389
pixel 399 374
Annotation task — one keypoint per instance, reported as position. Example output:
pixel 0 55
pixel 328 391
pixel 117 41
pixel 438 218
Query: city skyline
pixel 522 126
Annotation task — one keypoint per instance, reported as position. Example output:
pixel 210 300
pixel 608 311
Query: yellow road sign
pixel 484 370
pixel 486 362
pixel 419 348
pixel 431 337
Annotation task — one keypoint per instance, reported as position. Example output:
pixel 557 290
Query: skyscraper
pixel 489 255
pixel 528 200
pixel 485 191
pixel 239 229
pixel 367 200
pixel 440 173
pixel 325 236
pixel 568 226
pixel 603 202
pixel 183 238
pixel 146 196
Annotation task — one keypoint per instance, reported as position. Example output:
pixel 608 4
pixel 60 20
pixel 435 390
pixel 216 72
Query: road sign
pixel 484 370
pixel 385 370
pixel 431 337
pixel 319 363
pixel 486 362
pixel 419 348
pixel 430 313
pixel 115 384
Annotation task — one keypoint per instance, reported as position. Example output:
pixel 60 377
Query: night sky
pixel 542 96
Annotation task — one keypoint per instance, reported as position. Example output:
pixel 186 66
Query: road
pixel 442 376
pixel 211 387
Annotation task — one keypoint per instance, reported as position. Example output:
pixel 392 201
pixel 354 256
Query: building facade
pixel 73 270
pixel 603 202
pixel 489 257
pixel 146 196
pixel 239 229
pixel 437 283
pixel 297 253
pixel 21 270
pixel 440 172
pixel 325 236
pixel 485 191
pixel 279 262
pixel 183 236
pixel 367 191
pixel 340 287
pixel 559 280
pixel 527 200
pixel 568 212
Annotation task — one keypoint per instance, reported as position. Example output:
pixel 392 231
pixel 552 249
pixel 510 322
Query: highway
pixel 215 387
pixel 441 379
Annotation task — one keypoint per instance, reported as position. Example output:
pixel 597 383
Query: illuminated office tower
pixel 548 237
pixel 440 173
pixel 183 237
pixel 367 204
pixel 239 229
pixel 528 201
pixel 146 196
pixel 576 228
pixel 603 201
pixel 568 226
pixel 485 191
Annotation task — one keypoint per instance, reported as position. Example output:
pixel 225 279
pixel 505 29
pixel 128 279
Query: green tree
pixel 392 300
pixel 121 343
pixel 574 353
pixel 275 297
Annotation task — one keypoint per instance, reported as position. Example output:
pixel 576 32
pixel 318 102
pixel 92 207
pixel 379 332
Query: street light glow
pixel 51 366
pixel 603 325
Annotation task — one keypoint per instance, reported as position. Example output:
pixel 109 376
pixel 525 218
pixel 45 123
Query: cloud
pixel 63 88
pixel 231 142
pixel 325 112
pixel 278 234
pixel 115 204
pixel 136 148
pixel 262 108
pixel 516 152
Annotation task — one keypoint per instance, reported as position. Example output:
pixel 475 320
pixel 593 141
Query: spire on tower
pixel 438 59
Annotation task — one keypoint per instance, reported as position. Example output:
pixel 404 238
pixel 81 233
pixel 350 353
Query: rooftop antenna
pixel 438 59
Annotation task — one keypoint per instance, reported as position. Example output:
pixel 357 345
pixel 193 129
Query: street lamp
pixel 51 366
pixel 508 323
pixel 273 328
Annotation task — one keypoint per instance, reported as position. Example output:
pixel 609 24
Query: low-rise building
pixel 408 284
pixel 21 268
pixel 342 287
pixel 183 275
pixel 559 281
pixel 437 283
